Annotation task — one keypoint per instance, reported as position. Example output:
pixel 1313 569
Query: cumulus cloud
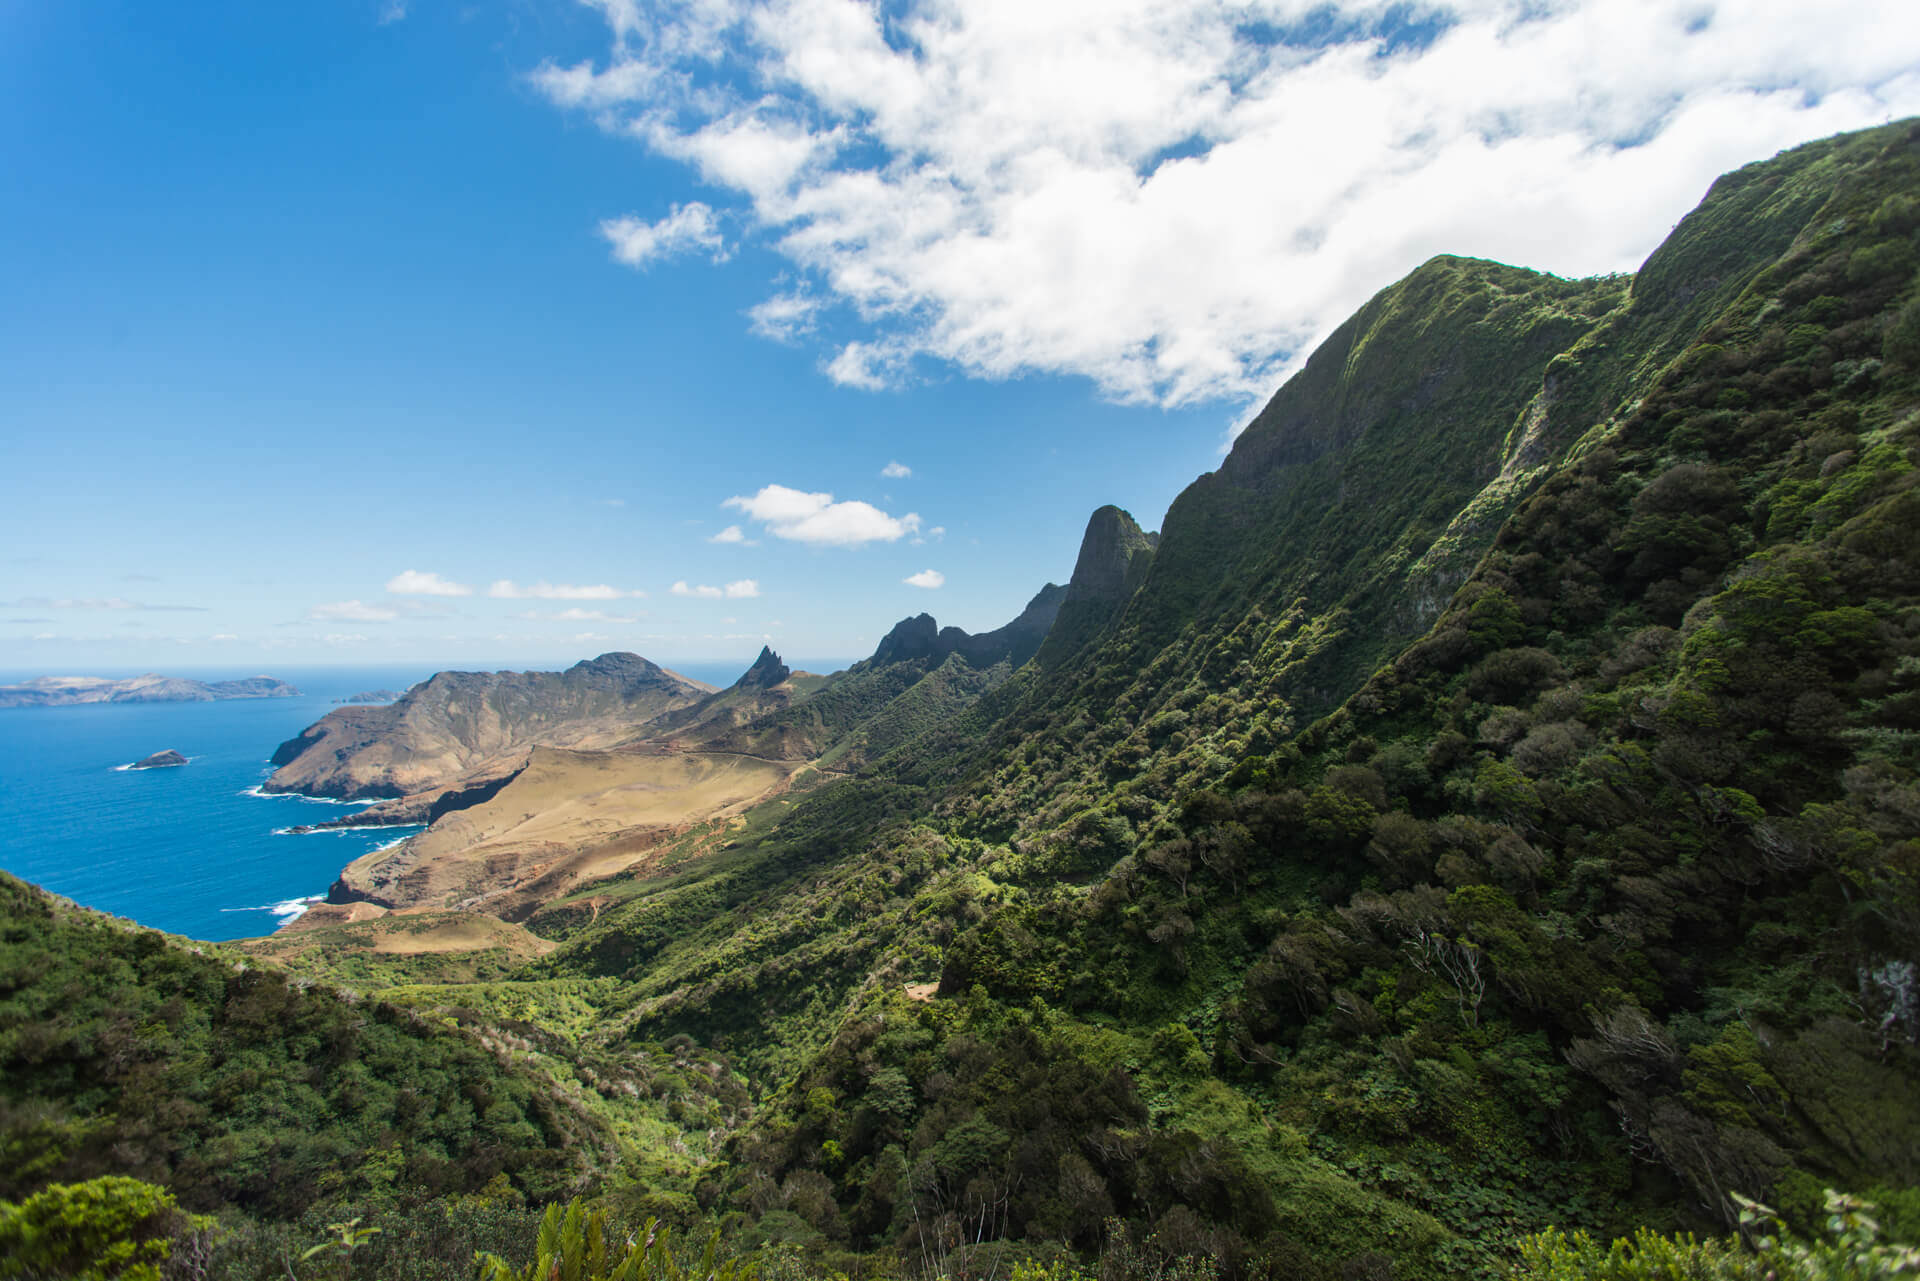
pixel 803 517
pixel 928 578
pixel 744 589
pixel 896 471
pixel 507 589
pixel 688 228
pixel 785 318
pixel 413 582
pixel 353 611
pixel 1175 198
pixel 733 534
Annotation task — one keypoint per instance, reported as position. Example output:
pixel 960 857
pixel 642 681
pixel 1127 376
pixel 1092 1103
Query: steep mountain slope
pixel 1606 887
pixel 1396 983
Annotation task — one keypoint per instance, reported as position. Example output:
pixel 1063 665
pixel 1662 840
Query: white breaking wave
pixel 413 829
pixel 295 796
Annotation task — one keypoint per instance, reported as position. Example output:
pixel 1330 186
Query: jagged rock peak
pixel 1105 569
pixel 766 672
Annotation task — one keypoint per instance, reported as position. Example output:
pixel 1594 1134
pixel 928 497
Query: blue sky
pixel 457 333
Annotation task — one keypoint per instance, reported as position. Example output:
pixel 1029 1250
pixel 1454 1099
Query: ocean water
pixel 195 850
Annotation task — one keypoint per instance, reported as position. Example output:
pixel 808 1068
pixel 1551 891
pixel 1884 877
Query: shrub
pixel 110 1227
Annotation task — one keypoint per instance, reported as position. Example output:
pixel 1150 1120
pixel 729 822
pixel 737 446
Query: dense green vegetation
pixel 126 1052
pixel 1483 824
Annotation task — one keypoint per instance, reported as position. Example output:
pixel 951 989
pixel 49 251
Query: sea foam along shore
pixel 297 796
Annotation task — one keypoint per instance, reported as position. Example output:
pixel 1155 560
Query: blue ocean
pixel 194 850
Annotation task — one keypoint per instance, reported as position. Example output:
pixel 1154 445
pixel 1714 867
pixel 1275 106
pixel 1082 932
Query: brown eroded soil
pixel 569 818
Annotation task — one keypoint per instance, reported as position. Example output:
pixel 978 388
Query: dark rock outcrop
pixel 766 672
pixel 160 760
pixel 921 639
pixel 1115 555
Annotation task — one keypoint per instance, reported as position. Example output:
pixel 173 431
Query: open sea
pixel 196 849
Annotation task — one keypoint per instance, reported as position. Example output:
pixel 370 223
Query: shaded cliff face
pixel 1364 494
pixel 460 722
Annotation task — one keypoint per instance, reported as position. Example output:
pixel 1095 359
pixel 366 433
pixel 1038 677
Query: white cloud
pixel 413 582
pixel 223 636
pixel 743 589
pixel 507 589
pixel 785 318
pixel 928 578
pixel 733 534
pixel 896 471
pixel 353 611
pixel 689 227
pixel 802 517
pixel 392 11
pixel 1176 198
pixel 345 638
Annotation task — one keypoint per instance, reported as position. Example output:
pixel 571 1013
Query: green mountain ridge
pixel 1488 803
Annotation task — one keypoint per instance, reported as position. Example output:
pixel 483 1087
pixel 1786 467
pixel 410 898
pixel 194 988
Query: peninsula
pixel 65 691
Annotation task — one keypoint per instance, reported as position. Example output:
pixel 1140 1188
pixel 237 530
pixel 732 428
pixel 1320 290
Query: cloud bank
pixel 1175 198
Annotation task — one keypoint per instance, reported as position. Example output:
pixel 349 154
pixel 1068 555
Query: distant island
pixel 160 760
pixel 372 696
pixel 65 691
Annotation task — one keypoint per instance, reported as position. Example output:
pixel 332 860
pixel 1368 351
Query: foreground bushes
pixel 1852 1251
